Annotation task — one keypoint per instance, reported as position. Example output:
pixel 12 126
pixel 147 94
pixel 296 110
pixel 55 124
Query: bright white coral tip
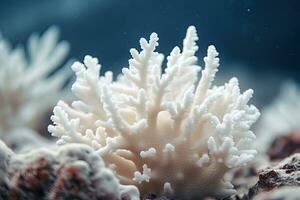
pixel 169 148
pixel 149 153
pixel 145 176
pixel 168 190
pixel 203 160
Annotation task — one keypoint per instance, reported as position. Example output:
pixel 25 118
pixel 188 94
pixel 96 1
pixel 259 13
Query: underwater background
pixel 258 40
pixel 154 128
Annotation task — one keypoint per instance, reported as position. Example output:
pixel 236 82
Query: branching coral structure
pixel 28 85
pixel 165 131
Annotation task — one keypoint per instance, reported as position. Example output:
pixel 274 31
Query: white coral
pixel 163 131
pixel 280 117
pixel 27 88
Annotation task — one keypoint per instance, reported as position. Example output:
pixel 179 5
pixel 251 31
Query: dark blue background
pixel 258 39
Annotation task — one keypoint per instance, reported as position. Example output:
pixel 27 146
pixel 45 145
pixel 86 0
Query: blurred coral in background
pixel 30 83
pixel 281 117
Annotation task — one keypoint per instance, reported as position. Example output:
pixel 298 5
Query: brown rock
pixel 286 174
pixel 73 171
pixel 284 146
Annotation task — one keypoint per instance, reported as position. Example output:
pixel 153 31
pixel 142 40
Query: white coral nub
pixel 145 176
pixel 162 130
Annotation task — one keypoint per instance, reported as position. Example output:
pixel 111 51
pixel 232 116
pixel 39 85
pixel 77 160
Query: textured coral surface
pixel 70 172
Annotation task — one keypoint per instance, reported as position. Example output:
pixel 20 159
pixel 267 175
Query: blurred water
pixel 257 40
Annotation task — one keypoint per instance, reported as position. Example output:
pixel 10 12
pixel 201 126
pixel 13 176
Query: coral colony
pixel 164 131
pixel 281 117
pixel 25 80
pixel 27 76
